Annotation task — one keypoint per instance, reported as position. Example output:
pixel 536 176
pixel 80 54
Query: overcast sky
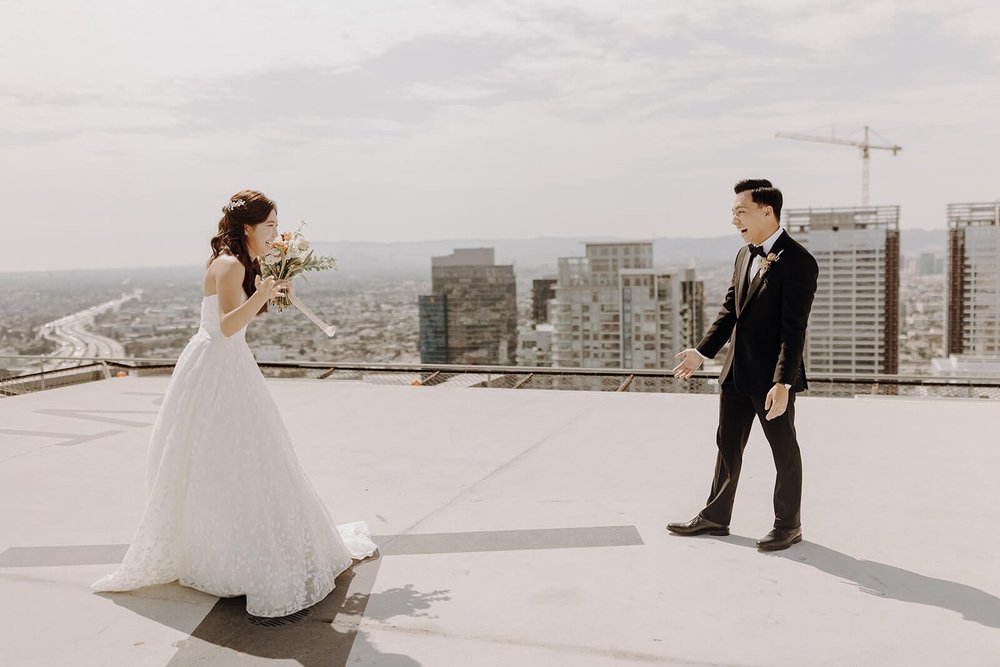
pixel 125 126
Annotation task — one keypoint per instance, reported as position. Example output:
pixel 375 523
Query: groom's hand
pixel 776 402
pixel 690 362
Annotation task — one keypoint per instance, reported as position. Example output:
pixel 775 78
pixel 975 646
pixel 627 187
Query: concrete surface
pixel 526 527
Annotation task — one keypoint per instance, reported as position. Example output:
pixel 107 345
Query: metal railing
pixel 41 372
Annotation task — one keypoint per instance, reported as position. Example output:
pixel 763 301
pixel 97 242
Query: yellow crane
pixel 865 147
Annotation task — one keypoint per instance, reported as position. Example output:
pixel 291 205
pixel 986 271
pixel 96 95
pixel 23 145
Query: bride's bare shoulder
pixel 225 265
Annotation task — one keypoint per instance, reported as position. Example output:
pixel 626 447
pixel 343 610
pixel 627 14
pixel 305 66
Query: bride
pixel 229 511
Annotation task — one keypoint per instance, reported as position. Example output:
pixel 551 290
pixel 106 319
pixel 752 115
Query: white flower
pixel 271 259
pixel 302 244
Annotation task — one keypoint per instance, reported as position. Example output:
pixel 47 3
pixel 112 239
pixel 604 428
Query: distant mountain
pixel 531 257
pixel 540 256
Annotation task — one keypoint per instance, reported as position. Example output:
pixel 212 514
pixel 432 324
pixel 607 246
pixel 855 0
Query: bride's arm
pixel 233 316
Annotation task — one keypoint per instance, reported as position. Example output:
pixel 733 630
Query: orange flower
pixel 286 236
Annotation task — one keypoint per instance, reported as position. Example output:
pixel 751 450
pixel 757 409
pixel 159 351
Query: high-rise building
pixel 543 290
pixel 661 314
pixel 471 315
pixel 692 310
pixel 613 310
pixel 433 328
pixel 973 327
pixel 586 312
pixel 854 325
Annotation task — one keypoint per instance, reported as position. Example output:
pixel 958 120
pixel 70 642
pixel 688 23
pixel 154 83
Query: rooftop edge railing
pixel 43 372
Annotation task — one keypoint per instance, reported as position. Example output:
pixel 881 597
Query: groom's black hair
pixel 762 193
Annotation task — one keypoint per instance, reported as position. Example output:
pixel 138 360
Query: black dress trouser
pixel 736 415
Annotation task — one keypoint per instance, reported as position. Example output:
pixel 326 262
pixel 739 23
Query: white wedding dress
pixel 229 511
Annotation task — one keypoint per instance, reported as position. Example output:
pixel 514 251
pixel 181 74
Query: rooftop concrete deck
pixel 527 528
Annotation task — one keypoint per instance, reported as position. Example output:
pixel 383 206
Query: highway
pixel 73 336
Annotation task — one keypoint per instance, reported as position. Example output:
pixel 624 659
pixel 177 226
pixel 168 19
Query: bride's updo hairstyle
pixel 247 207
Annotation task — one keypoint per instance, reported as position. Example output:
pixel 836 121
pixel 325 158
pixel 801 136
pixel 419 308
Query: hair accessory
pixel 233 205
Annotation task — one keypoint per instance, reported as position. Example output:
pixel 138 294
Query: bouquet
pixel 288 256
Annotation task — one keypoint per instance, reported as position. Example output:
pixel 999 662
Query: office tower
pixel 973 327
pixel 586 312
pixel 543 290
pixel 433 329
pixel 471 315
pixel 854 325
pixel 613 310
pixel 661 314
pixel 692 310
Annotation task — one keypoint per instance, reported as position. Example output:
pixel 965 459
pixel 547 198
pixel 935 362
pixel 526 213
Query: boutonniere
pixel 766 262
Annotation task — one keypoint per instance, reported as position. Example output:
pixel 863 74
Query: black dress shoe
pixel 698 526
pixel 780 538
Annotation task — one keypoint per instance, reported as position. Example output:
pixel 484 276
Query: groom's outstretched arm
pixel 722 328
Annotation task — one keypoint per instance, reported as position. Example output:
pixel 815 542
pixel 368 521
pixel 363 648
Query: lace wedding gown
pixel 229 510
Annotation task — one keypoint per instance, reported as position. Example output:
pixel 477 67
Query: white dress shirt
pixel 766 245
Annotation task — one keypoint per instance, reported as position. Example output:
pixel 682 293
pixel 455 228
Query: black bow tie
pixel 756 250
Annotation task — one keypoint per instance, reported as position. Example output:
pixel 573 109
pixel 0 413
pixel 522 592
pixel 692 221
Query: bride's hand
pixel 269 287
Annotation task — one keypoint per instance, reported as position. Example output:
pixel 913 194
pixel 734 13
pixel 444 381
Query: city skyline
pixel 445 120
pixel 377 314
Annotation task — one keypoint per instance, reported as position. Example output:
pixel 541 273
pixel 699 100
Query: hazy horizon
pixel 531 252
pixel 127 126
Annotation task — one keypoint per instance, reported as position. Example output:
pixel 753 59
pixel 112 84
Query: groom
pixel 764 320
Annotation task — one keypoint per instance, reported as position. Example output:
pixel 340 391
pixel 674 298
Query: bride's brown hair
pixel 247 207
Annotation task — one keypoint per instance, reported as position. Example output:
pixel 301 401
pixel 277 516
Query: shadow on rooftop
pixel 327 636
pixel 889 581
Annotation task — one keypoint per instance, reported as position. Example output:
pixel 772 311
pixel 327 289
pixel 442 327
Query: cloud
pixel 404 120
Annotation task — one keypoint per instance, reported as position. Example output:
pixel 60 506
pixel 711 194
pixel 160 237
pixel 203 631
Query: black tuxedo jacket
pixel 766 329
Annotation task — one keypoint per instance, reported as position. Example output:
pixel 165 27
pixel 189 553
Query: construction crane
pixel 865 147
